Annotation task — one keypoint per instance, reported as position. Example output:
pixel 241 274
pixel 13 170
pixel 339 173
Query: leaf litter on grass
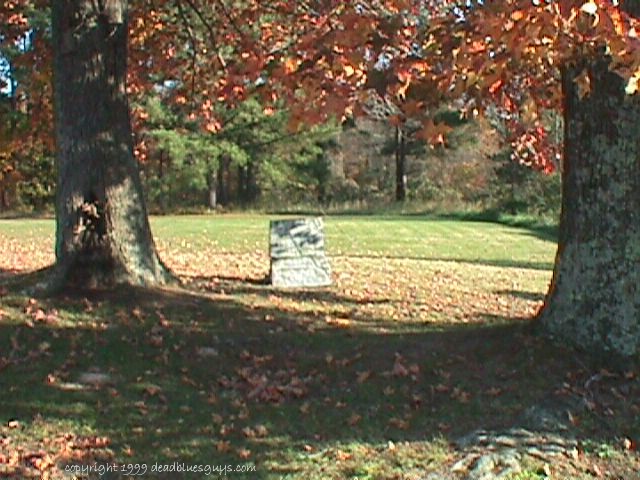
pixel 362 379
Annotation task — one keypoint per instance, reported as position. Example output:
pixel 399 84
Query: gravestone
pixel 297 253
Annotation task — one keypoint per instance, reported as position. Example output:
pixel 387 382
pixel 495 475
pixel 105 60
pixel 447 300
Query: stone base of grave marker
pixel 297 253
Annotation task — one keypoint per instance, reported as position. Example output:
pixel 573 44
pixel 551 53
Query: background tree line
pixel 254 161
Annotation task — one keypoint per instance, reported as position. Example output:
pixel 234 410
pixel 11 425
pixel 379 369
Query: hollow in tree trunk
pixel 102 230
pixel 594 299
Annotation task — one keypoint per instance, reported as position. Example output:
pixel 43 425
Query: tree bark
pixel 213 190
pixel 222 185
pixel 594 298
pixel 252 185
pixel 401 174
pixel 102 229
pixel 242 185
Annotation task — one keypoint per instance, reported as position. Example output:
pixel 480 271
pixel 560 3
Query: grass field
pixel 424 336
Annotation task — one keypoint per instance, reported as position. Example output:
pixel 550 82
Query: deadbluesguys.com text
pixel 140 469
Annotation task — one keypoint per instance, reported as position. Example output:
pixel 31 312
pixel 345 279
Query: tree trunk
pixel 213 190
pixel 4 202
pixel 252 185
pixel 594 299
pixel 242 184
pixel 102 230
pixel 161 164
pixel 401 175
pixel 223 190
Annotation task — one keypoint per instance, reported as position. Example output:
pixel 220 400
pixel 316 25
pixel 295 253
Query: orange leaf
pixel 517 15
pixel 477 46
pixel 495 86
pixel 223 446
pixel 342 456
pixel 290 65
pixel 244 454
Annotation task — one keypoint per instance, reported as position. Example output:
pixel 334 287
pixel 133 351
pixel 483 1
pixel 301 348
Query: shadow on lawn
pixel 472 261
pixel 260 286
pixel 541 231
pixel 531 296
pixel 7 273
pixel 205 380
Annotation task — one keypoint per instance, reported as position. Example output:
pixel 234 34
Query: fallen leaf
pixel 399 370
pixel 441 388
pixel 217 418
pixel 152 390
pixel 363 376
pixel 460 395
pixel 342 456
pixel 628 444
pixel 573 419
pixel 223 446
pixel 398 423
pixel 494 392
pixel 244 454
pixel 338 322
pixel 354 419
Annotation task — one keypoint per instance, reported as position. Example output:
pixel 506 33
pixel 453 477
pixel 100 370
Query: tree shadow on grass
pixel 531 296
pixel 238 285
pixel 534 228
pixel 541 231
pixel 205 379
pixel 15 279
pixel 6 274
pixel 503 263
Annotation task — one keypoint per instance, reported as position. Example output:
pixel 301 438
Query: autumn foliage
pixel 327 59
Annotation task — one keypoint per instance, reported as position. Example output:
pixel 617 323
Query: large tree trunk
pixel 594 299
pixel 102 230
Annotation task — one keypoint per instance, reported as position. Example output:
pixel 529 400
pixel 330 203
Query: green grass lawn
pixel 424 336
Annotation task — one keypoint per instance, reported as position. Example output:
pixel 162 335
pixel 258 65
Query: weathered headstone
pixel 297 252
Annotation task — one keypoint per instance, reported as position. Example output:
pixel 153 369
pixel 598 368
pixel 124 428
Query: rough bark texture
pixel 102 230
pixel 594 299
